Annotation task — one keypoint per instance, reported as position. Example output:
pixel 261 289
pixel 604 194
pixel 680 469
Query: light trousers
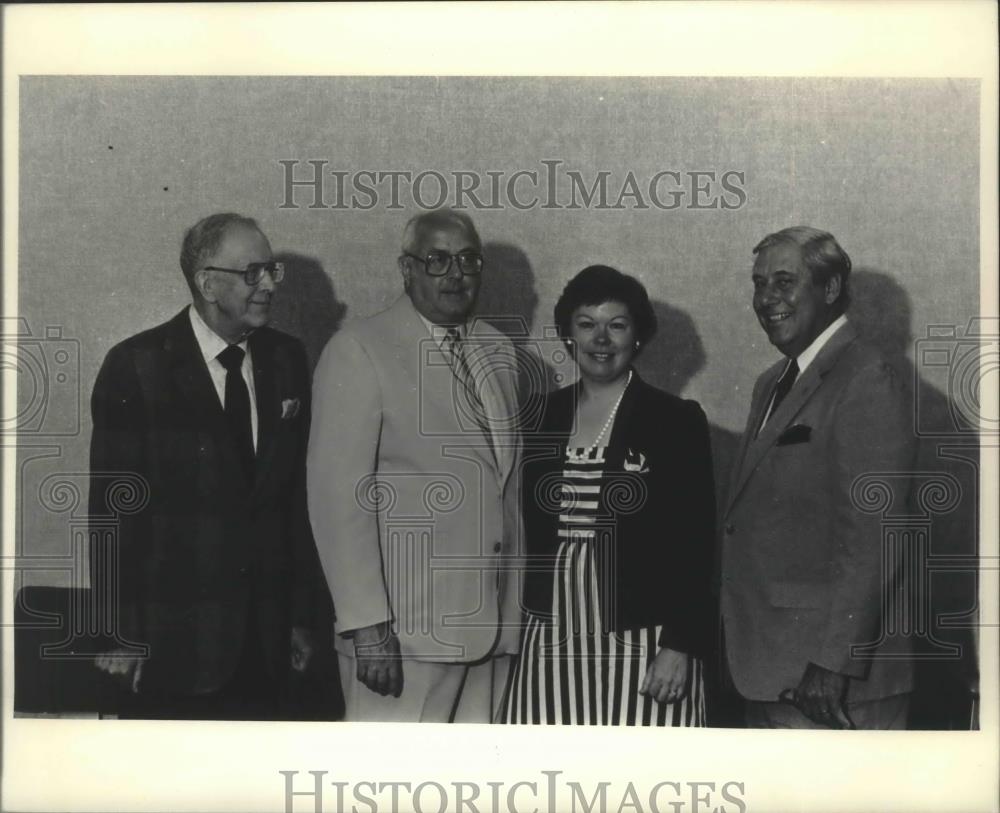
pixel 432 693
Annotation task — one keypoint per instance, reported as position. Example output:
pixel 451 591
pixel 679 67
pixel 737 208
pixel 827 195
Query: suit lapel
pixel 802 390
pixel 434 381
pixel 197 392
pixel 757 447
pixel 761 396
pixel 266 393
pixel 614 460
pixel 499 401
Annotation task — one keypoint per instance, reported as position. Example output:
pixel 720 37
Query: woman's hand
pixel 666 677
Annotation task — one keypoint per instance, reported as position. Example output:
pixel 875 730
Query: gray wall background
pixel 113 169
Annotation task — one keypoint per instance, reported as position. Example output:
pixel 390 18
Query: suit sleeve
pixel 691 629
pixel 511 606
pixel 341 464
pixel 310 598
pixel 118 469
pixel 871 433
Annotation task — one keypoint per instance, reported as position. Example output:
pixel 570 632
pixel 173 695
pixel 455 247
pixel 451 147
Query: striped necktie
pixel 468 392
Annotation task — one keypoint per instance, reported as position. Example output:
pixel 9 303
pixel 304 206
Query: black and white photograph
pixel 548 394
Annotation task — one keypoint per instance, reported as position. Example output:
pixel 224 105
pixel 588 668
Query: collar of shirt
pixel 210 342
pixel 438 332
pixel 806 357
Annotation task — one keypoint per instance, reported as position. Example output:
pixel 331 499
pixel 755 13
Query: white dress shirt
pixel 806 357
pixel 211 344
pixel 439 332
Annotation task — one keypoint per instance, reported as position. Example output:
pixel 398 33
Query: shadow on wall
pixel 306 305
pixel 673 357
pixel 675 354
pixel 508 300
pixel 948 454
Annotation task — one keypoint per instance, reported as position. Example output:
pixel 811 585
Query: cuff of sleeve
pixel 345 631
pixel 678 642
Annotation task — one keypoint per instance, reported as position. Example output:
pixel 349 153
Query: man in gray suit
pixel 802 566
pixel 412 471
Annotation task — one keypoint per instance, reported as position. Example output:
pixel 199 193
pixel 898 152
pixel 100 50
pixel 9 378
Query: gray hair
pixel 436 220
pixel 202 240
pixel 821 254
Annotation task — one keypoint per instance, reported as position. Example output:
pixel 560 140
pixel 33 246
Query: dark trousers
pixel 887 713
pixel 252 693
pixel 724 706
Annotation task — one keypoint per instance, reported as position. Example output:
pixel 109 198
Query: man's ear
pixel 831 291
pixel 404 270
pixel 203 282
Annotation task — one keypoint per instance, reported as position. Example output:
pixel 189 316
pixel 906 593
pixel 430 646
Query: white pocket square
pixel 289 408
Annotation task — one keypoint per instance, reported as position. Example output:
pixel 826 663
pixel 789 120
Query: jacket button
pixel 497 547
pixel 730 529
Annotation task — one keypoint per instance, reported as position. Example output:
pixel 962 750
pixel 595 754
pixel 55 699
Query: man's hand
pixel 302 649
pixel 820 697
pixel 376 649
pixel 123 665
pixel 666 677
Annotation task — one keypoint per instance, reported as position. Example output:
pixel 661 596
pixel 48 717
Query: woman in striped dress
pixel 619 509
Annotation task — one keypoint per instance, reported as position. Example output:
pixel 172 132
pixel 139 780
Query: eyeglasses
pixel 438 263
pixel 254 272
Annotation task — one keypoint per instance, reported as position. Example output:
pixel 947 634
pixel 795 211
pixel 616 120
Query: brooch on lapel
pixel 635 461
pixel 289 408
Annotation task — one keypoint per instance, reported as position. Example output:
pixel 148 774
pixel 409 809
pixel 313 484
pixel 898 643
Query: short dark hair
pixel 597 284
pixel 821 253
pixel 435 220
pixel 202 240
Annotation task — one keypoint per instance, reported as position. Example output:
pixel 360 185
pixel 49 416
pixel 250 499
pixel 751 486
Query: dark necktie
pixel 237 406
pixel 781 388
pixel 469 393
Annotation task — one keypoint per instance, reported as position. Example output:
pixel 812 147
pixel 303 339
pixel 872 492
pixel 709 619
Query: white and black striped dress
pixel 569 670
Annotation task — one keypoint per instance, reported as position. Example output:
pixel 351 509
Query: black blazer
pixel 201 549
pixel 655 521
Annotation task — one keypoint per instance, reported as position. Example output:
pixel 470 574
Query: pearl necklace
pixel 607 424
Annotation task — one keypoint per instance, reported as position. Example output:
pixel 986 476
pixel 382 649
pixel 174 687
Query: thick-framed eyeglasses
pixel 438 263
pixel 254 272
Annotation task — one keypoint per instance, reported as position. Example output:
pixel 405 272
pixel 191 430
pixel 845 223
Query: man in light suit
pixel 803 579
pixel 412 472
pixel 213 575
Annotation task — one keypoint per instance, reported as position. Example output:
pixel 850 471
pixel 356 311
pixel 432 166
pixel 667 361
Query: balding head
pixel 203 239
